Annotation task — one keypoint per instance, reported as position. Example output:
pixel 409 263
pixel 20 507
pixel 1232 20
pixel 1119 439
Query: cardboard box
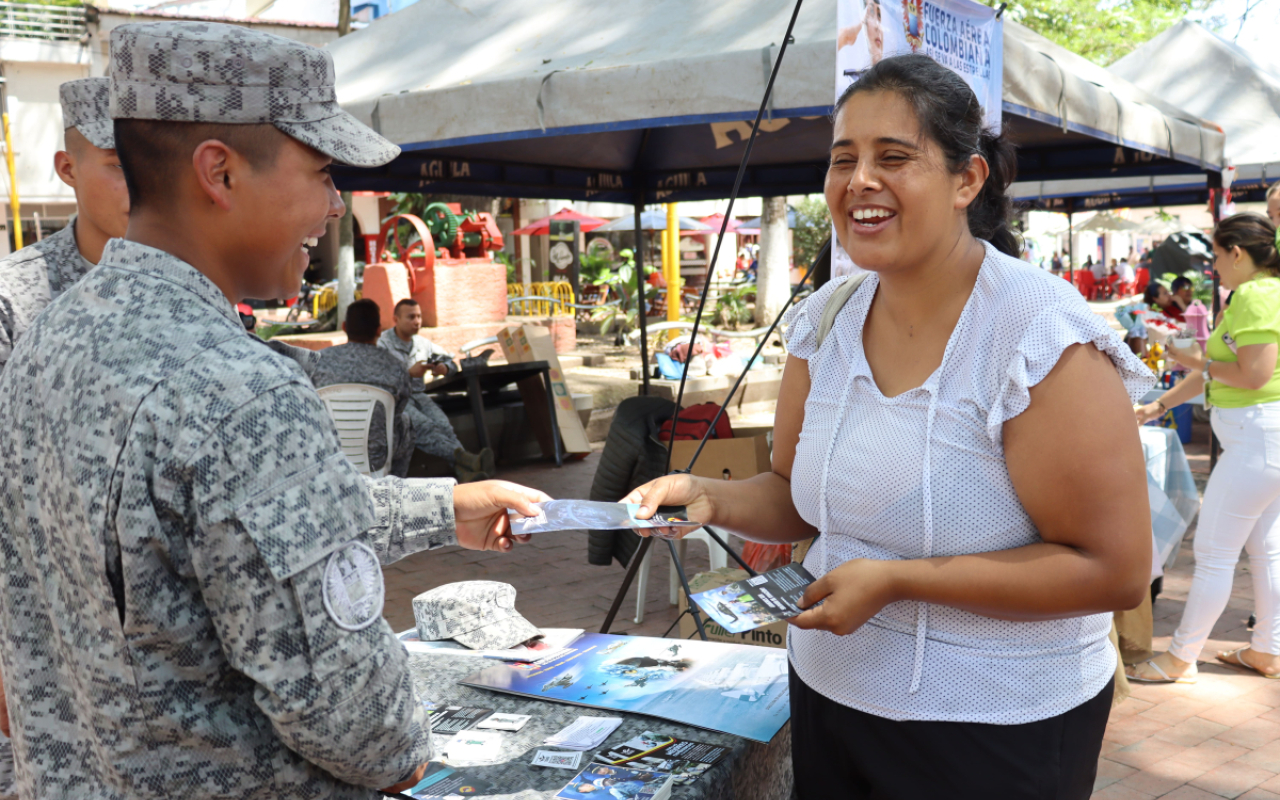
pixel 745 455
pixel 534 343
pixel 773 635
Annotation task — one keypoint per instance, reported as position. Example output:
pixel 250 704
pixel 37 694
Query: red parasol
pixel 715 220
pixel 542 226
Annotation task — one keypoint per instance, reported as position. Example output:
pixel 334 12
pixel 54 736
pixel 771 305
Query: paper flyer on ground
pixel 576 515
pixel 552 643
pixel 752 603
pixel 731 688
pixel 658 752
pixel 599 780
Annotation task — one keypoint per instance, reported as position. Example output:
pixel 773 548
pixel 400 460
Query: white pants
pixel 1241 509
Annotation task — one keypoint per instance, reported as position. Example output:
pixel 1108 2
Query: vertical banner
pixel 962 35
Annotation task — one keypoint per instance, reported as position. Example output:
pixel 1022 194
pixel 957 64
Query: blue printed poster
pixel 736 689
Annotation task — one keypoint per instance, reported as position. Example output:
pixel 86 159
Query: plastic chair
pixel 351 405
pixel 719 560
pixel 1085 283
pixel 1143 280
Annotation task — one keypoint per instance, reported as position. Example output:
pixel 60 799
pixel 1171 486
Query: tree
pixel 813 226
pixel 1101 32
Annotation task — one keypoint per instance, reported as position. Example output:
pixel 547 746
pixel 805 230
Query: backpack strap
pixel 836 303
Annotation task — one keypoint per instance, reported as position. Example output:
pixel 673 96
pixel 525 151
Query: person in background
pixel 1273 203
pixel 32 277
pixel 360 360
pixel 1180 297
pixel 1125 272
pixel 1159 298
pixel 1098 268
pixel 967 582
pixel 1240 377
pixel 432 432
pixel 1057 263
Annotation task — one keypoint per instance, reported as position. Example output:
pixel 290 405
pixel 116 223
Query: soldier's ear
pixel 64 165
pixel 211 161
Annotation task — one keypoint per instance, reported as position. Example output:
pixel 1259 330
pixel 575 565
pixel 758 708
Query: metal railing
pixel 46 23
pixel 549 299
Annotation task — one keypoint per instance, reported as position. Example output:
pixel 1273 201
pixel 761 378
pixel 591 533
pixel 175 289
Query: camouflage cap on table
pixel 210 72
pixel 479 614
pixel 85 107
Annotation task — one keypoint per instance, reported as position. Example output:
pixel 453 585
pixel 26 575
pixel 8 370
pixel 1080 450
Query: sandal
pixel 1233 658
pixel 1164 676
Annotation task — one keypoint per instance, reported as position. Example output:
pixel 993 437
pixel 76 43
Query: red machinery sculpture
pixel 449 270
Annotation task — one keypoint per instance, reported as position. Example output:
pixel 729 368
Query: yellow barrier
pixel 561 293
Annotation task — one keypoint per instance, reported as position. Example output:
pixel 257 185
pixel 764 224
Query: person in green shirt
pixel 1239 376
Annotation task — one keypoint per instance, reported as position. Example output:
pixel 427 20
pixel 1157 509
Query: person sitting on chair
pixel 360 360
pixel 433 434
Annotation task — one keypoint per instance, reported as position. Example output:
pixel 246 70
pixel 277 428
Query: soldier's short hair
pixel 408 301
pixel 363 320
pixel 153 153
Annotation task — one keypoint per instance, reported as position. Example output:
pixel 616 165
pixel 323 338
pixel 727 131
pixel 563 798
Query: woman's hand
pixel 480 513
pixel 1147 412
pixel 1191 357
pixel 673 490
pixel 851 594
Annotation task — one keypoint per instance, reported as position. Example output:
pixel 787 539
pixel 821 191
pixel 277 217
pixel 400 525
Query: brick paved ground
pixel 1218 738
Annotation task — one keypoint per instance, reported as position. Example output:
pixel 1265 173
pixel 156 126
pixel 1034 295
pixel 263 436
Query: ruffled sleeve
pixel 802 320
pixel 1051 332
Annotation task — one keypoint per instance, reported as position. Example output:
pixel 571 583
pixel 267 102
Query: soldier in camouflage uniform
pixel 191 588
pixel 34 275
pixel 360 360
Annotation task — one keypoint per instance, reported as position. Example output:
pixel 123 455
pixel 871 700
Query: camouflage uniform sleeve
pixel 307 360
pixel 296 595
pixel 412 515
pixel 6 327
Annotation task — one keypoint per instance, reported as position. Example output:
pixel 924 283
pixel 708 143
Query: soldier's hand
pixel 419 369
pixel 407 784
pixel 480 511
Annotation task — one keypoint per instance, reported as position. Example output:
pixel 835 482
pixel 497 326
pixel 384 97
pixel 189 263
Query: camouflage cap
pixel 210 72
pixel 479 614
pixel 85 107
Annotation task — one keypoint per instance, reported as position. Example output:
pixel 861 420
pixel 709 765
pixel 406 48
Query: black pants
pixel 839 752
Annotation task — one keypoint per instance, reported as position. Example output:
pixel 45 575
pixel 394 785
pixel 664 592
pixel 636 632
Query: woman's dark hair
pixel 1151 293
pixel 1254 234
pixel 950 114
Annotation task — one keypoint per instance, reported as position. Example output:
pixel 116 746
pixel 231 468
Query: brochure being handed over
pixel 573 515
pixel 748 604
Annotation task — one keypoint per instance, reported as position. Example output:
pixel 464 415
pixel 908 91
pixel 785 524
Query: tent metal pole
pixel 641 312
pixel 1071 250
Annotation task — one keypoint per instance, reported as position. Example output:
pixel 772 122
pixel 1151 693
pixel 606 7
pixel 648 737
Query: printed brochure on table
pixel 736 689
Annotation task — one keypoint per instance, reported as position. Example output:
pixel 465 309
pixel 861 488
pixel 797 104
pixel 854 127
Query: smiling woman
pixel 966 580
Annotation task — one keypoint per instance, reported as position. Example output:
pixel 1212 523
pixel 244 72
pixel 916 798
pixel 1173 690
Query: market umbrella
pixel 1107 222
pixel 753 225
pixel 587 223
pixel 653 221
pixel 1156 226
pixel 715 220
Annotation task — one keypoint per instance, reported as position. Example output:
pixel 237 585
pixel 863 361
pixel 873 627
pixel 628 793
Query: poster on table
pixel 963 35
pixel 735 689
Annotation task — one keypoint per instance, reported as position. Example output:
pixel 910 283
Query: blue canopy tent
pixel 652 102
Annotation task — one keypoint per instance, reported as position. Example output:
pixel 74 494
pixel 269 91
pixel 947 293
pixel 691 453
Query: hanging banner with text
pixel 962 35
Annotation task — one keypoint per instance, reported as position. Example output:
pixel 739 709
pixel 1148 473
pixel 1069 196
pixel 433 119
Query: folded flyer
pixel 447 782
pixel 602 781
pixel 745 605
pixel 455 719
pixel 551 644
pixel 576 515
pixel 684 760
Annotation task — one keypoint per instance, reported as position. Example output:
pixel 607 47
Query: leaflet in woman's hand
pixel 573 515
pixel 752 603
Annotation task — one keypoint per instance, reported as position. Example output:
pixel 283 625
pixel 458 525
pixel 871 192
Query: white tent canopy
pixel 1225 85
pixel 575 83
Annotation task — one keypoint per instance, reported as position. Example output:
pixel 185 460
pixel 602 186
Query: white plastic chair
pixel 351 405
pixel 719 559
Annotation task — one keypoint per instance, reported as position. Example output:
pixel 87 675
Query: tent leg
pixel 641 312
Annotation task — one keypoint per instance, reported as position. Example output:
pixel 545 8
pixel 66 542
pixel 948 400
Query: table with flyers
pixel 749 770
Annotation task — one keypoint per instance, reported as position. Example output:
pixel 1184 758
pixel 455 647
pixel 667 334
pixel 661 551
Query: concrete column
pixel 773 282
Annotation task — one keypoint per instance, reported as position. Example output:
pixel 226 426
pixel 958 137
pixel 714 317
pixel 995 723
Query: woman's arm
pixel 1254 366
pixel 1077 467
pixel 1182 391
pixel 758 508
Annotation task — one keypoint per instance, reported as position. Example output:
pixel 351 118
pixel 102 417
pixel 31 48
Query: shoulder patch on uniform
pixel 353 587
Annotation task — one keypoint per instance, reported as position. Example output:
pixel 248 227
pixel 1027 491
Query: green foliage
pixel 596 270
pixel 732 306
pixel 1101 32
pixel 503 257
pixel 813 226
